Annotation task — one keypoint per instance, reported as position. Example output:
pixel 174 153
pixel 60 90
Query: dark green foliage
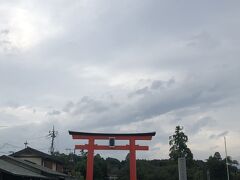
pixel 197 170
pixel 113 166
pixel 178 145
pixel 157 169
pixel 217 167
pixel 100 168
pixel 149 169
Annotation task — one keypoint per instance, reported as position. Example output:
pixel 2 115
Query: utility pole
pixel 226 157
pixel 53 135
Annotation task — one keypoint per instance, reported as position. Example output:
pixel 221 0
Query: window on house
pixel 48 164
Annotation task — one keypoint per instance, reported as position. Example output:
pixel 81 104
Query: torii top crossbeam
pixel 117 136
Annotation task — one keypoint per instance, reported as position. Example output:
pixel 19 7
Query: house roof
pixel 16 170
pixel 31 166
pixel 31 152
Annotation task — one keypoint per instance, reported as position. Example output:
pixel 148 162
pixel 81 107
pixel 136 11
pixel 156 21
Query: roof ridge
pixel 40 153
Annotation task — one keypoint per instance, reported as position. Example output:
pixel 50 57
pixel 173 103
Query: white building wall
pixel 54 167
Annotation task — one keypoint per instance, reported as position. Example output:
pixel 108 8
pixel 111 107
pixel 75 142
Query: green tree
pixel 216 167
pixel 178 145
pixel 100 168
pixel 217 156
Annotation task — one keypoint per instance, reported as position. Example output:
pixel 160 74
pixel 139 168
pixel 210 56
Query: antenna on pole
pixel 26 143
pixel 53 135
pixel 226 157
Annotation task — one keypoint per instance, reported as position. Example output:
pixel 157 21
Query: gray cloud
pixel 5 44
pixel 68 106
pixel 204 41
pixel 154 104
pixel 158 83
pixel 201 123
pixel 88 105
pixel 54 112
pixel 141 91
pixel 216 136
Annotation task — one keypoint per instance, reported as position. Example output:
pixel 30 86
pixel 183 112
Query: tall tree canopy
pixel 178 145
pixel 217 167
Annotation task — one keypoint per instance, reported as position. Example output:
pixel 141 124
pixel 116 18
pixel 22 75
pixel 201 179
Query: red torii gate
pixel 91 146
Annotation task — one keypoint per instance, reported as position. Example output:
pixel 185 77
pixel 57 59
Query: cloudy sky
pixel 120 66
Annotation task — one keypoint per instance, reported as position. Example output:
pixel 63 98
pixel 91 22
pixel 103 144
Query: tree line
pixel 165 169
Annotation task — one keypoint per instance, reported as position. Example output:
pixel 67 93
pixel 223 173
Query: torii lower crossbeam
pixel 91 146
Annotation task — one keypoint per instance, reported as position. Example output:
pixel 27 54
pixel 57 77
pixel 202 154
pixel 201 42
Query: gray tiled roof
pixel 18 170
pixel 34 152
pixel 29 166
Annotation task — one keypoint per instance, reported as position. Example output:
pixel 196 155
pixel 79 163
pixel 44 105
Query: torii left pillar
pixel 91 146
pixel 90 159
pixel 133 166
